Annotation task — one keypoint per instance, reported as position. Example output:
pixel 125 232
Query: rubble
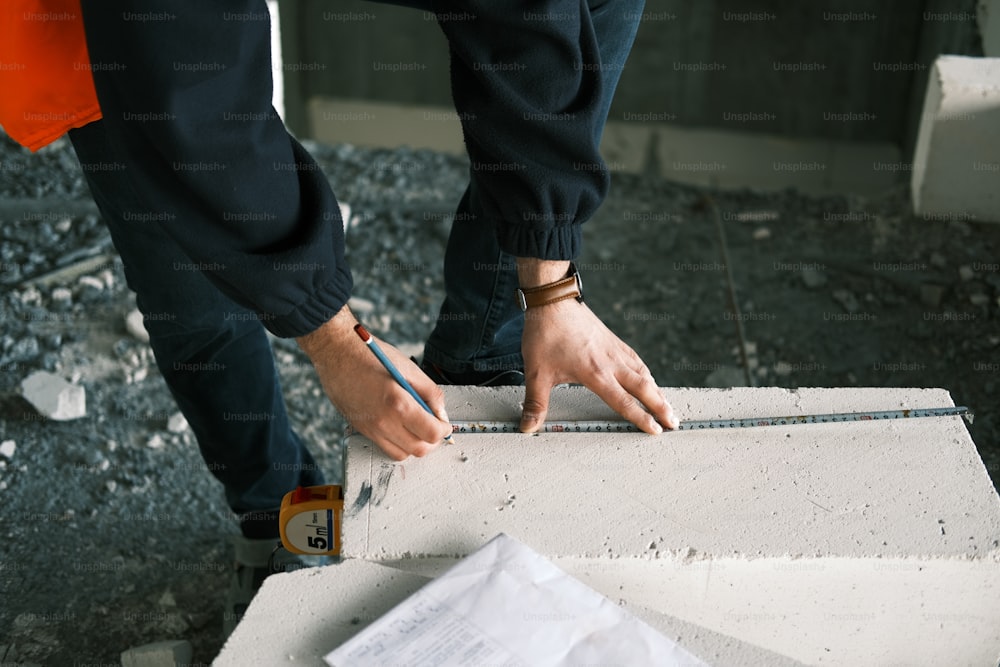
pixel 813 278
pixel 176 423
pixel 7 449
pixel 173 653
pixel 135 326
pixel 53 397
pixel 846 299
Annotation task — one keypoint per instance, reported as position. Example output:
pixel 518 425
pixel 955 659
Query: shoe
pixel 505 378
pixel 255 561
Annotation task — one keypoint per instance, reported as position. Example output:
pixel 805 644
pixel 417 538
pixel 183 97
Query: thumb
pixel 536 404
pixel 432 395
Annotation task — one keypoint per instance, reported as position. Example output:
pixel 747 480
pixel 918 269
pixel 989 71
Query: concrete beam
pixel 871 539
pixel 298 618
pixel 956 171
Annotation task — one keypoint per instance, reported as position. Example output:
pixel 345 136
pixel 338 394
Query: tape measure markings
pixel 598 426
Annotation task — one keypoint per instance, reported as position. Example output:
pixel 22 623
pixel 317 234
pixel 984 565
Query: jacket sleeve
pixel 532 88
pixel 186 100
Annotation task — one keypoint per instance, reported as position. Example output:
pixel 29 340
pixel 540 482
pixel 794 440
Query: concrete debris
pixel 135 327
pixel 107 278
pixel 90 287
pixel 761 234
pixel 111 485
pixel 361 306
pixel 846 299
pixel 155 442
pixel 979 299
pixel 813 278
pixel 176 423
pixel 966 273
pixel 171 653
pixel 7 449
pixel 31 296
pixel 24 349
pixel 62 298
pixel 53 397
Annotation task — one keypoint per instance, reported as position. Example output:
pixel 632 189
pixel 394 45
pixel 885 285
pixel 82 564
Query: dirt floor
pixel 114 533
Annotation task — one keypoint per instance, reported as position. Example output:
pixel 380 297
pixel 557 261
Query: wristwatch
pixel 570 287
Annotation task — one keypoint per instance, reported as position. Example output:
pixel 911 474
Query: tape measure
pixel 309 520
pixel 696 425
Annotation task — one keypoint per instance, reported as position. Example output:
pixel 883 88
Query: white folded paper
pixel 506 606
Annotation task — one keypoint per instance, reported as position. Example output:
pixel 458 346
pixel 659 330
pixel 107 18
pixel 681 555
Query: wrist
pixel 338 329
pixel 534 272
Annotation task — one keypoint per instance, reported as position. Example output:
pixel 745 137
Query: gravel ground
pixel 114 534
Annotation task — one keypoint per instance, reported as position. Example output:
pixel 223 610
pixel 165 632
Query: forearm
pixel 533 272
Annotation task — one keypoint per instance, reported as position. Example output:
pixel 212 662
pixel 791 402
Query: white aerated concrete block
pixel 297 618
pixel 175 653
pixel 53 397
pixel 850 543
pixel 956 164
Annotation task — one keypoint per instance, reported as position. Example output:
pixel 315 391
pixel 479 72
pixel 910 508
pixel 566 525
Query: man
pixel 209 202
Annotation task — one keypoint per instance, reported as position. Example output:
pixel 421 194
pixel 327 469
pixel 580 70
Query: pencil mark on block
pixel 364 495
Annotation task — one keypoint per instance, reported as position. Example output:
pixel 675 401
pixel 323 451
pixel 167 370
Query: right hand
pixel 366 395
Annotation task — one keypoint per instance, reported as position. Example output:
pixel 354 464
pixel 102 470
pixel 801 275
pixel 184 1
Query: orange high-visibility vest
pixel 46 86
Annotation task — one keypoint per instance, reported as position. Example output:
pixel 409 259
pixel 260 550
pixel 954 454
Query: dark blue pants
pixel 202 315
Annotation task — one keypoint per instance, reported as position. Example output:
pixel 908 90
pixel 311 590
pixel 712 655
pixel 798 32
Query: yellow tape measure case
pixel 309 520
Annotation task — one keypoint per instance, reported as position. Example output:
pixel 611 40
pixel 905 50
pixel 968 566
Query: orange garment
pixel 46 86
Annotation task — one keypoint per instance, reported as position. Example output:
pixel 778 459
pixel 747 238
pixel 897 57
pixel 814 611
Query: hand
pixel 371 401
pixel 566 342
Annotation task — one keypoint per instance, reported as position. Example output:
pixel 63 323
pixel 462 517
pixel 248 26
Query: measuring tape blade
pixel 598 426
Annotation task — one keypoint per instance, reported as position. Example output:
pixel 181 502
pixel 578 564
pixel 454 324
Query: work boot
pixel 255 561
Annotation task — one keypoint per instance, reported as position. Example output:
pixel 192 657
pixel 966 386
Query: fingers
pixel 536 402
pixel 404 428
pixel 431 393
pixel 642 386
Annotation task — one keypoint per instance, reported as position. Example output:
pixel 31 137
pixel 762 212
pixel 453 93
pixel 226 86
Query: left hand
pixel 567 342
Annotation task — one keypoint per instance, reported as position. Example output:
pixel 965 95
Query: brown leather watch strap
pixel 566 288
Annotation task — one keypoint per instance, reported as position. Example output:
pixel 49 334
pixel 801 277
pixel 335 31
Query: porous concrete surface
pixel 956 171
pixel 875 538
pixel 299 617
pixel 882 489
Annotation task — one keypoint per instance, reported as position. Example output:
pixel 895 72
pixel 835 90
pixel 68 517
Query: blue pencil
pixel 394 372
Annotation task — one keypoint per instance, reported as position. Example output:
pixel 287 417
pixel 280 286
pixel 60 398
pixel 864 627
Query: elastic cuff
pixel 315 312
pixel 560 242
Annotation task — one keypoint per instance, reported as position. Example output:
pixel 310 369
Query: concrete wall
pixel 801 64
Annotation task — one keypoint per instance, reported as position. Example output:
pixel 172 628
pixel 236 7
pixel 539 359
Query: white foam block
pixel 824 543
pixel 956 164
pixel 297 618
pixel 53 397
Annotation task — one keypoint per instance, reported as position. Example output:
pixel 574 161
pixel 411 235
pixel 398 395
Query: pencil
pixel 394 372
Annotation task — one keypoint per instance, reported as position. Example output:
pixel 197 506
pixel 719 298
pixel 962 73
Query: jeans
pixel 479 325
pixel 213 353
pixel 208 338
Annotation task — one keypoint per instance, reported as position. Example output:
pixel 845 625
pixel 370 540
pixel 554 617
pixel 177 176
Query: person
pixel 226 227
